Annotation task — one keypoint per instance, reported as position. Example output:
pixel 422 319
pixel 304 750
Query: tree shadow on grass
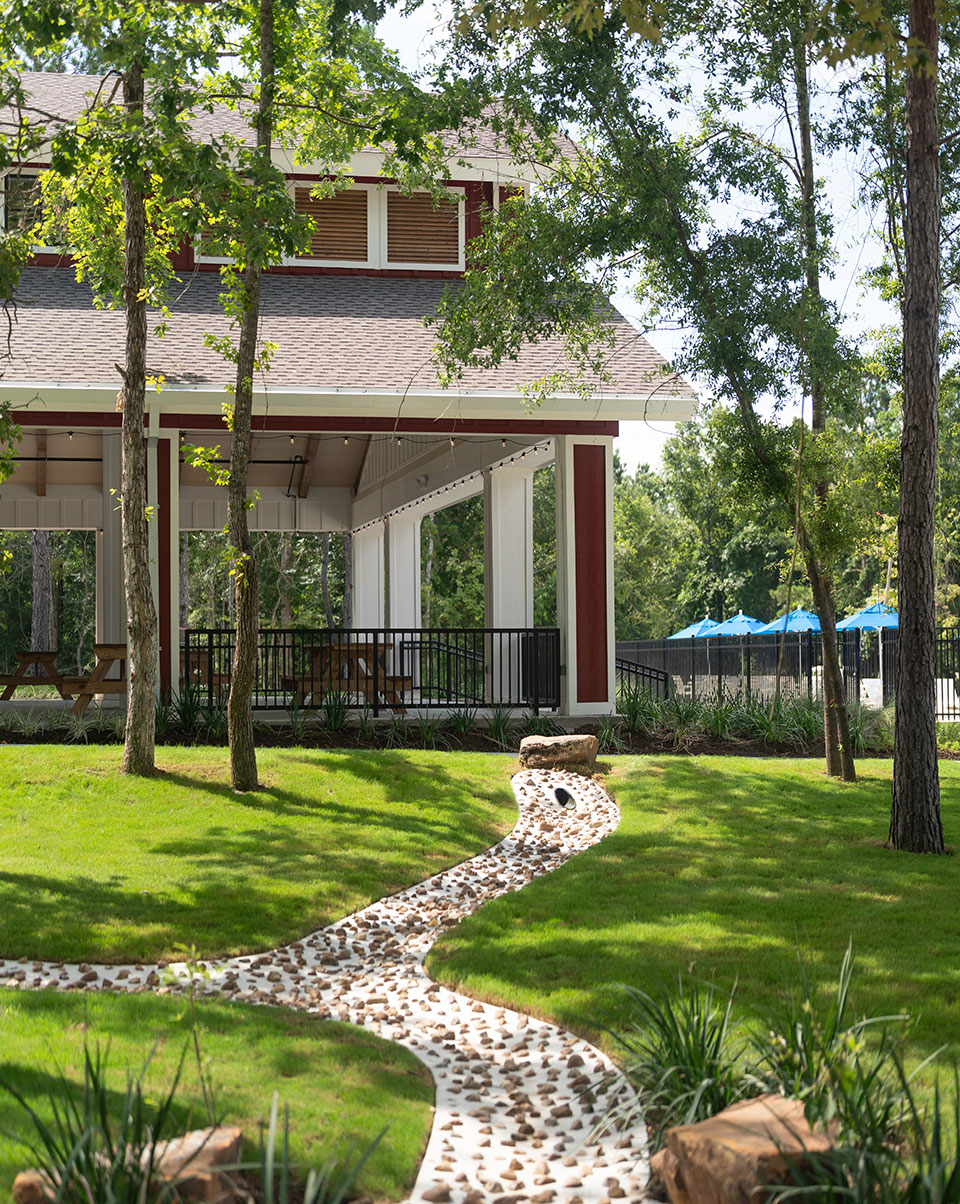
pixel 220 897
pixel 728 871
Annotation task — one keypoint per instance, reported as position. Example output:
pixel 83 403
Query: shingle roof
pixel 63 97
pixel 347 332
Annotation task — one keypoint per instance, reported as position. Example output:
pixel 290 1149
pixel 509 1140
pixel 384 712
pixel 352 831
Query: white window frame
pixel 376 235
pixel 37 248
pixel 373 229
pixel 461 193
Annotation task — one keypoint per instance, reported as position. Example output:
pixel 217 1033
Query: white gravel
pixel 517 1100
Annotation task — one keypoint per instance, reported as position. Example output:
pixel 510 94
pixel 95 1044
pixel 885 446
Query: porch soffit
pixel 344 344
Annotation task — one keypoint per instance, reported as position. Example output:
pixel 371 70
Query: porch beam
pixel 306 476
pixel 41 463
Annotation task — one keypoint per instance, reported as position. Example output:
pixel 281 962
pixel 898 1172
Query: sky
pixel 415 35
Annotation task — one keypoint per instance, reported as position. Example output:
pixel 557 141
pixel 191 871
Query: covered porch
pixel 312 475
pixel 354 433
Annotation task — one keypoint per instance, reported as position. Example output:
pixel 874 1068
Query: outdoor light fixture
pixel 71 436
pixel 345 440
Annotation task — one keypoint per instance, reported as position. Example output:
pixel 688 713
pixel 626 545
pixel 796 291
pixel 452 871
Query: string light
pixel 71 436
pixel 291 440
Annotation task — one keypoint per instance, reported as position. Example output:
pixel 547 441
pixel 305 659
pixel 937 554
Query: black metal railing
pixel 384 669
pixel 632 676
pixel 732 666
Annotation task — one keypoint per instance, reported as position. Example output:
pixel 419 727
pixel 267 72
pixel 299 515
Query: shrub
pixel 333 711
pixel 499 724
pixel 641 712
pixel 460 722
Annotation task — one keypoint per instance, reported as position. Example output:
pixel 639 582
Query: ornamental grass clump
pixel 93 1152
pixel 682 1055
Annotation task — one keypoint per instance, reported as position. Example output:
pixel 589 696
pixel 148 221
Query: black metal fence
pixel 632 676
pixel 384 669
pixel 732 666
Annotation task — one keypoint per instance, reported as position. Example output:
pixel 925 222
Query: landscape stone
pixel 559 752
pixel 193 1162
pixel 32 1187
pixel 725 1159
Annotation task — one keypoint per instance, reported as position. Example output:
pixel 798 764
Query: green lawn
pixel 342 1084
pixel 728 865
pixel 98 866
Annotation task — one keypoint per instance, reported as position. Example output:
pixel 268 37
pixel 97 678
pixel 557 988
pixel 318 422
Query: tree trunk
pixel 325 579
pixel 243 754
pixel 915 810
pixel 286 563
pixel 184 600
pixel 347 580
pixel 142 634
pixel 836 724
pixel 40 622
pixel 428 577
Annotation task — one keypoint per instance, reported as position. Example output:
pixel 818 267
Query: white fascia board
pixel 430 405
pixel 502 170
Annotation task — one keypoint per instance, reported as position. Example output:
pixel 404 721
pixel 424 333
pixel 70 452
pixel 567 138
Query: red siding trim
pixel 590 570
pixel 346 424
pixel 75 418
pixel 349 425
pixel 164 535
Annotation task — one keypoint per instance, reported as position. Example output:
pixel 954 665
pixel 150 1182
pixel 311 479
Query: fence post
pixel 536 673
pixel 719 668
pixel 693 670
pixel 749 680
pixel 376 674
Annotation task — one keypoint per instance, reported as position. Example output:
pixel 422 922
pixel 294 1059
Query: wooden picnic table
pixel 97 682
pixel 45 673
pixel 351 666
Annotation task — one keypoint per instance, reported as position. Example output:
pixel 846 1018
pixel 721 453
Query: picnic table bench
pixel 86 686
pixel 353 667
pixel 45 673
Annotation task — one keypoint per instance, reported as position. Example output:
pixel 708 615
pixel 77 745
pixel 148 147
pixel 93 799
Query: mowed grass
pixel 727 867
pixel 98 866
pixel 342 1084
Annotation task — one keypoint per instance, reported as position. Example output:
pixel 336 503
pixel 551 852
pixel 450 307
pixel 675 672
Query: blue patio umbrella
pixel 739 624
pixel 693 631
pixel 870 618
pixel 795 620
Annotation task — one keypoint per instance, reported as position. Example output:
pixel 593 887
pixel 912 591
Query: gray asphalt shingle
pixel 331 332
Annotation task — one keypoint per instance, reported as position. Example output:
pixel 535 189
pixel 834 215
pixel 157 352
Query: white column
pixel 402 560
pixel 585 614
pixel 368 577
pixel 111 603
pixel 508 578
pixel 508 546
pixel 403 571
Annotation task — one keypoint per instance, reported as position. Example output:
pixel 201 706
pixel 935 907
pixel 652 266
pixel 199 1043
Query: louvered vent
pixel 419 233
pixel 340 224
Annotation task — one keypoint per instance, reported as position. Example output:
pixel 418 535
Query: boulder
pixel 725 1159
pixel 33 1187
pixel 559 752
pixel 195 1161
